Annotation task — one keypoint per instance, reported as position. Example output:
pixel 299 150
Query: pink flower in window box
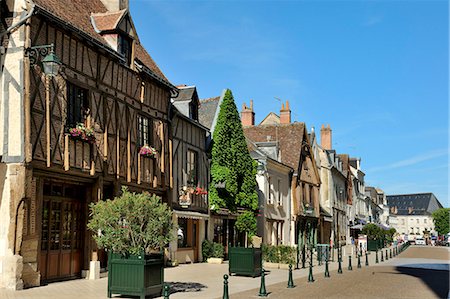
pixel 147 151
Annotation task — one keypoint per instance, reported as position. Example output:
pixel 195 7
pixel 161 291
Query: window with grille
pixel 77 105
pixel 191 169
pixel 145 133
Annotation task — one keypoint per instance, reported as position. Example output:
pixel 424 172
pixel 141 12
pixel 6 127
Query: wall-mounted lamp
pixel 51 64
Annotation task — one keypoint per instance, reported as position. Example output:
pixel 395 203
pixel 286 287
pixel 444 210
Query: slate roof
pixel 78 14
pixel 207 111
pixel 185 93
pixel 289 136
pixel 413 204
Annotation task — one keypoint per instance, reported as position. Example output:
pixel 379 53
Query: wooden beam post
pixel 47 119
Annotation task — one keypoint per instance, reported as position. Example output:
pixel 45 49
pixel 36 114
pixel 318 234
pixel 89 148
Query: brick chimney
pixel 325 137
pixel 247 115
pixel 285 114
pixel 115 5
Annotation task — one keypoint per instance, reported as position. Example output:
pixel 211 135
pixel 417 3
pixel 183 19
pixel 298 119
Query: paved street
pixel 419 272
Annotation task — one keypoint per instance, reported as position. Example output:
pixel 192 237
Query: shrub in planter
pixel 218 250
pixel 133 228
pixel 212 250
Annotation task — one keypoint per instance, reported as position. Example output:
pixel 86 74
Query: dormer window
pixel 124 47
pixel 118 30
pixel 193 110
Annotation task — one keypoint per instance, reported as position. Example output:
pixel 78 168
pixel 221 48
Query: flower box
pixel 148 151
pixel 80 132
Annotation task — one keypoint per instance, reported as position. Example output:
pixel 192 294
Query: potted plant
pixel 374 234
pixel 133 228
pixel 245 260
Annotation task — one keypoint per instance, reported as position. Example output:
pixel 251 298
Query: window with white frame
pixel 280 199
pixel 270 197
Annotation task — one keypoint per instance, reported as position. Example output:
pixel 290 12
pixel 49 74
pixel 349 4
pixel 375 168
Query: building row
pixel 85 110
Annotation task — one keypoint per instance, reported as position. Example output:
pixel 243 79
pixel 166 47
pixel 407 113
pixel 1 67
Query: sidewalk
pixel 188 281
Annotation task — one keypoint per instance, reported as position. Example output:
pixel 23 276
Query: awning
pixel 190 215
pixel 361 221
pixel 358 226
pixel 382 226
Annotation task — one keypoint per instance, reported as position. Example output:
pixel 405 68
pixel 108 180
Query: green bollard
pixel 327 273
pixel 387 256
pixel 290 280
pixel 303 257
pixel 166 292
pixel 367 259
pixel 382 256
pixel 376 256
pixel 339 264
pixel 310 275
pixel 350 263
pixel 390 253
pixel 359 261
pixel 262 289
pixel 225 287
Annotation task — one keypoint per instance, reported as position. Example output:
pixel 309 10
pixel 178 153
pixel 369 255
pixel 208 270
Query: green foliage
pixel 372 231
pixel 132 223
pixel 279 254
pixel 441 219
pixel 231 162
pixel 212 249
pixel 218 250
pixel 246 223
pixel 389 234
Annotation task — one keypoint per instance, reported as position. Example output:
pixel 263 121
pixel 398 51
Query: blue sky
pixel 376 71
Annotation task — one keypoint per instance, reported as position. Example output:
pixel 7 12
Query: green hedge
pixel 279 254
pixel 212 249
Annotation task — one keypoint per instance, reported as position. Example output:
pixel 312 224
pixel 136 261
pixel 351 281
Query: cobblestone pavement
pixel 418 272
pixel 206 281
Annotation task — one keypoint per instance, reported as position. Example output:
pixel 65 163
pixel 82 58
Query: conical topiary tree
pixel 233 171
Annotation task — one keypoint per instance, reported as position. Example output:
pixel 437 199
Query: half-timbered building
pixel 76 136
pixel 190 177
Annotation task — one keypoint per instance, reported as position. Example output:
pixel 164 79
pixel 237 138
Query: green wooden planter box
pixel 135 275
pixel 373 245
pixel 245 261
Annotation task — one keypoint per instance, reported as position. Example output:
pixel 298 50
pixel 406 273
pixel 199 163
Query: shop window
pixel 77 105
pixel 144 131
pixel 182 233
pixel 191 168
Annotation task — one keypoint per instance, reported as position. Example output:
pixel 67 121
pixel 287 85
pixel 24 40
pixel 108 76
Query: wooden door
pixel 62 237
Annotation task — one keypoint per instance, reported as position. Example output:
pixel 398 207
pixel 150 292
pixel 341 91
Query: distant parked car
pixel 420 241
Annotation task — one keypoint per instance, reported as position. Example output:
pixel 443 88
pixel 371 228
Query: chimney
pixel 285 114
pixel 325 137
pixel 115 5
pixel 247 115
